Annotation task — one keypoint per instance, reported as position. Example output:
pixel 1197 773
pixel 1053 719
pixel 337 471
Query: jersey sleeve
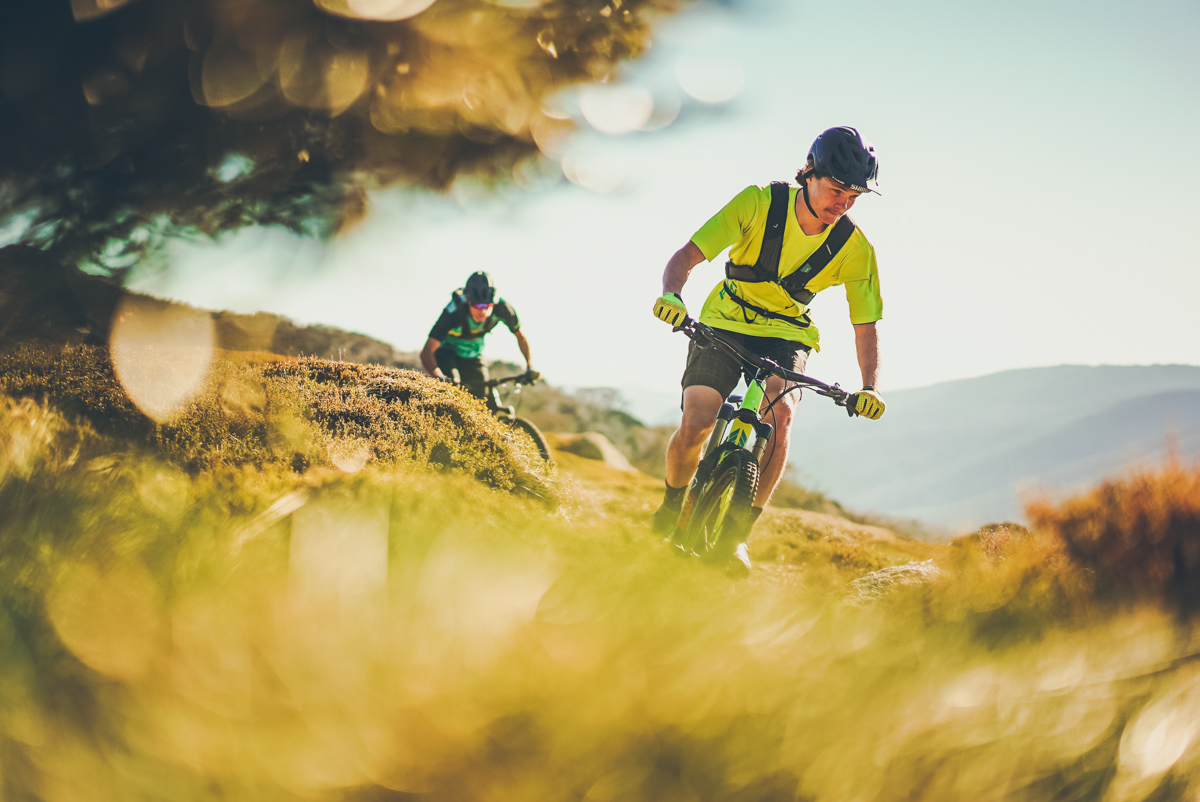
pixel 447 321
pixel 862 293
pixel 730 224
pixel 505 313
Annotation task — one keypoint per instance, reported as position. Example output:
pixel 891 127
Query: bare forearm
pixel 679 267
pixel 866 342
pixel 428 360
pixel 523 344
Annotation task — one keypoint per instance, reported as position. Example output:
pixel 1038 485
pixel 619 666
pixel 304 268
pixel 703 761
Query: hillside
pixel 190 611
pixel 315 579
pixel 44 300
pixel 967 452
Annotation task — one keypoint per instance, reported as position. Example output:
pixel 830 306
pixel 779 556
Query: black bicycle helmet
pixel 843 155
pixel 479 289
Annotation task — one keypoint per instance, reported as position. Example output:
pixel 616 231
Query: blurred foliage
pixel 261 411
pixel 1137 536
pixel 122 121
pixel 248 633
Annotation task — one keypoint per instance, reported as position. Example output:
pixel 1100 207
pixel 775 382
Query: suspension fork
pixel 762 430
pixel 746 418
pixel 708 460
pixel 724 416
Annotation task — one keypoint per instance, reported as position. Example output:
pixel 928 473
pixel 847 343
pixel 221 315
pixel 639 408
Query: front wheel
pixel 720 518
pixel 535 434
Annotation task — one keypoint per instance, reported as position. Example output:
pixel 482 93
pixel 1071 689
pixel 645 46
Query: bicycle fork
pixel 740 422
pixel 708 460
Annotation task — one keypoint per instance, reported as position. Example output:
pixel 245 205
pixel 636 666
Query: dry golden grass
pixel 301 413
pixel 247 631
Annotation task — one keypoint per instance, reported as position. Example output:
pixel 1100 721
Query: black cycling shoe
pixel 665 518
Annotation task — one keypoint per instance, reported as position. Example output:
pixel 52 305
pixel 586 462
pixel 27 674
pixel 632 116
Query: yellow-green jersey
pixel 741 225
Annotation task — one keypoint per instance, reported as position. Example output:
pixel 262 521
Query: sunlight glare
pixel 349 455
pixel 593 169
pixel 84 10
pixel 230 73
pixel 617 109
pixel 320 76
pixel 381 10
pixel 108 618
pixel 161 354
pixel 710 80
pixel 1162 732
pixel 339 557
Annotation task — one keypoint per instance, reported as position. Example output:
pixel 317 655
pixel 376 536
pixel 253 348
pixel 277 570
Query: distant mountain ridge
pixel 966 452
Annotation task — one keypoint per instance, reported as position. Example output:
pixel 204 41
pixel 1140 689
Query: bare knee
pixel 700 407
pixel 693 430
pixel 781 414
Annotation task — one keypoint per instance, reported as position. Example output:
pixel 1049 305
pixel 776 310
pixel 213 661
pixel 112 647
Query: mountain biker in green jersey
pixel 765 308
pixel 456 340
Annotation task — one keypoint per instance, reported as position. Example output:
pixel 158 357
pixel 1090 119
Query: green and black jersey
pixel 456 330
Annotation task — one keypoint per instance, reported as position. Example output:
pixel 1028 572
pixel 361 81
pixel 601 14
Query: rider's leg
pixel 447 360
pixel 700 407
pixel 474 373
pixel 710 376
pixel 775 457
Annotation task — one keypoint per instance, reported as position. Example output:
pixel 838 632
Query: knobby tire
pixel 535 434
pixel 721 515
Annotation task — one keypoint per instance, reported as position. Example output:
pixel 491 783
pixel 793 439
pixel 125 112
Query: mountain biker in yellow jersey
pixel 456 340
pixel 788 243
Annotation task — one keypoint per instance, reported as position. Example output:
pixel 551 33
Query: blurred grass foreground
pixel 317 580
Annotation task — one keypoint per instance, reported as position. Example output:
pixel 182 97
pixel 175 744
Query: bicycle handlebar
pixel 705 336
pixel 516 378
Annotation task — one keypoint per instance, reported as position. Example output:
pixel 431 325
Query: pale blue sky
pixel 1037 165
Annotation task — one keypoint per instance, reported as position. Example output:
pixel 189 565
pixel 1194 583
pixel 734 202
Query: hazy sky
pixel 1037 168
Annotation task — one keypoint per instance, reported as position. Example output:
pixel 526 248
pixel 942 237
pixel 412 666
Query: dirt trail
pixel 789 547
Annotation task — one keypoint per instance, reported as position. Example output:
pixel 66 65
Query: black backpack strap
pixel 459 302
pixel 795 283
pixel 766 268
pixel 801 322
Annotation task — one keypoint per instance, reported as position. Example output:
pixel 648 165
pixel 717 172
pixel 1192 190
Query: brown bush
pixel 995 542
pixel 1139 536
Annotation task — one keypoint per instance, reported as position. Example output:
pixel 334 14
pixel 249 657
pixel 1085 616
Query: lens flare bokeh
pixel 161 353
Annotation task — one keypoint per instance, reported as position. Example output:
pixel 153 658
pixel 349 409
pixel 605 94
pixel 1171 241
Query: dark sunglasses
pixel 483 306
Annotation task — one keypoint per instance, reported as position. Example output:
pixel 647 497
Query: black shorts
pixel 471 370
pixel 716 368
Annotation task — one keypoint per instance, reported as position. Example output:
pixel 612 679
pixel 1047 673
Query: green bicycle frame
pixel 735 426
